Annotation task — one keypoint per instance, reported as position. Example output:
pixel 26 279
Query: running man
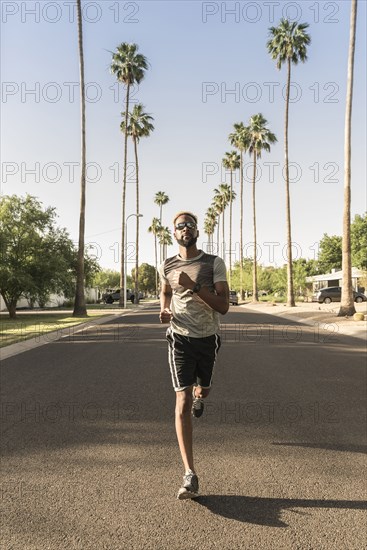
pixel 194 291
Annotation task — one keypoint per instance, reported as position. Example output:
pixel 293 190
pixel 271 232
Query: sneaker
pixel 197 405
pixel 190 487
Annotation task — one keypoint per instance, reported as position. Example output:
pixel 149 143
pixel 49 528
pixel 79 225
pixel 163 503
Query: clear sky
pixel 208 68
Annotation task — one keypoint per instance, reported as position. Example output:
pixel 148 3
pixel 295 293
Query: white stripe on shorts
pixel 171 360
pixel 215 358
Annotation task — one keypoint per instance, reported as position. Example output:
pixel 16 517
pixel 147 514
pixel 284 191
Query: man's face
pixel 186 236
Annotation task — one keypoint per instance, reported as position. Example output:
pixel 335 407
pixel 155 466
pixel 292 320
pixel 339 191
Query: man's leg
pixel 184 426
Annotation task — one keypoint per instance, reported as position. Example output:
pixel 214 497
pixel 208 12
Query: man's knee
pixel 184 401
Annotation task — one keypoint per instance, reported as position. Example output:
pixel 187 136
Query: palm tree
pixel 139 125
pixel 347 300
pixel 79 303
pixel 161 199
pixel 260 139
pixel 288 45
pixel 165 239
pixel 222 197
pixel 129 67
pixel 210 221
pixel 155 228
pixel 239 139
pixel 231 162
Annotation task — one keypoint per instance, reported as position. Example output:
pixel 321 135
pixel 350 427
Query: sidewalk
pixel 315 313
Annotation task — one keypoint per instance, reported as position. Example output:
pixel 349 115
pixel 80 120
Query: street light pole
pixel 125 255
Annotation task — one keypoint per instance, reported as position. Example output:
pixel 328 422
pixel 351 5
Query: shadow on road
pixel 349 448
pixel 267 511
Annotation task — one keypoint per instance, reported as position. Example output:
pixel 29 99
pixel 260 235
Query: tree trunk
pixel 347 301
pixel 79 302
pixel 11 305
pixel 255 297
pixel 12 309
pixel 136 285
pixel 290 291
pixel 161 254
pixel 223 238
pixel 230 232
pixel 218 236
pixel 123 251
pixel 241 226
pixel 156 266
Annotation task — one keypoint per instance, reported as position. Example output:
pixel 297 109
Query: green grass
pixel 272 298
pixel 35 325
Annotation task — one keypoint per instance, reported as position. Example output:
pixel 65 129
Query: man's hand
pixel 181 278
pixel 165 316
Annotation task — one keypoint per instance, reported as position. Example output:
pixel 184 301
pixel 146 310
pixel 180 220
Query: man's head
pixel 185 229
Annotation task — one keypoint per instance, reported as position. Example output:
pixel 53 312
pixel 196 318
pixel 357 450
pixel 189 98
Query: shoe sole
pixel 187 495
pixel 196 413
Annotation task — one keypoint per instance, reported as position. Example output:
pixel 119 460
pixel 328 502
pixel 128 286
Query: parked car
pixel 114 296
pixel 233 298
pixel 333 294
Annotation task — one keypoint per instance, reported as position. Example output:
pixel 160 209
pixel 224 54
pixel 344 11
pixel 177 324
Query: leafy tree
pixel 147 275
pixel 288 44
pixel 38 258
pixel 242 276
pixel 79 302
pixel 303 268
pixel 359 241
pixel 330 253
pixel 107 279
pixel 129 67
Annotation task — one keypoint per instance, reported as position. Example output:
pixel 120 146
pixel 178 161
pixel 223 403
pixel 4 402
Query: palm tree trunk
pixel 223 238
pixel 255 297
pixel 347 301
pixel 79 303
pixel 230 232
pixel 156 266
pixel 161 253
pixel 241 226
pixel 218 237
pixel 290 292
pixel 136 289
pixel 123 251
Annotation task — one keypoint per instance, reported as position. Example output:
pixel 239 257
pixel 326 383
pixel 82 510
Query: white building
pixel 334 279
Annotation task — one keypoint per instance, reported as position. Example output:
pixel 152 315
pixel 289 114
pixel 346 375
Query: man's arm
pixel 219 301
pixel 165 299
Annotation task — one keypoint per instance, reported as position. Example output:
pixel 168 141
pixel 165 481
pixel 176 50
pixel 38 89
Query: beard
pixel 187 243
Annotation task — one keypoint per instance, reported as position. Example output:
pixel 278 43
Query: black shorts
pixel 191 360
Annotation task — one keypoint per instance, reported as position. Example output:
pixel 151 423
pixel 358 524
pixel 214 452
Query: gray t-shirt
pixel 191 315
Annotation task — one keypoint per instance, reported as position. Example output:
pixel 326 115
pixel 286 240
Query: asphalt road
pixel 90 459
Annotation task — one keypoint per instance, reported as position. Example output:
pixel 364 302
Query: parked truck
pixel 114 296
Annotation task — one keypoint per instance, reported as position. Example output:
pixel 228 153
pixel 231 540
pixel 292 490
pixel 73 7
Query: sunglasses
pixel 182 225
